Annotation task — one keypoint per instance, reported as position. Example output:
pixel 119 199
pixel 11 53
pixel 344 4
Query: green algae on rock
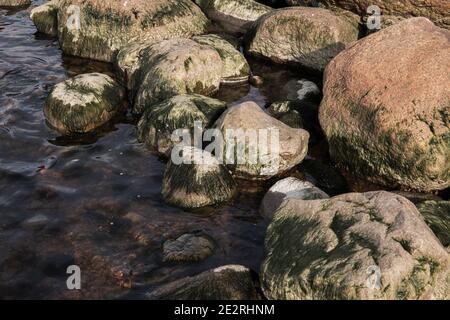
pixel 14 3
pixel 177 113
pixel 83 103
pixel 307 37
pixel 235 67
pixel 234 16
pixel 45 17
pixel 199 180
pixel 189 247
pixel 229 282
pixel 437 216
pixel 386 116
pixel 372 245
pixel 98 29
pixel 258 146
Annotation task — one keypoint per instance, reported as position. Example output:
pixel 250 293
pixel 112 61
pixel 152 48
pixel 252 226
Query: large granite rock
pixel 307 37
pixel 372 245
pixel 392 124
pixel 45 17
pixel 98 29
pixel 258 146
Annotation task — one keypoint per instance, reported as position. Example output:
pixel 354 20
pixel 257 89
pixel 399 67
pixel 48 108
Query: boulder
pixel 179 112
pixel 45 18
pixel 286 189
pixel 196 180
pixel 258 146
pixel 98 29
pixel 230 282
pixel 235 67
pixel 14 3
pixel 233 16
pixel 302 36
pixel 83 103
pixel 436 10
pixel 392 124
pixel 437 216
pixel 372 245
pixel 168 68
pixel 188 247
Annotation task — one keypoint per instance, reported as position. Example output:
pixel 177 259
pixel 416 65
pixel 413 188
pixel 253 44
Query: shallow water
pixel 94 200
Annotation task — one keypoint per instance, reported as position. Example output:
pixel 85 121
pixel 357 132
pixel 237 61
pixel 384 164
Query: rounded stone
pixel 188 247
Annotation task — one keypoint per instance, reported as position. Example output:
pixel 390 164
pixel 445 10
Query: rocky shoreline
pixel 384 111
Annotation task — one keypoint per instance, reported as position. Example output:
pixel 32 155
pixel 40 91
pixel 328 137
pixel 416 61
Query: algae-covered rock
pixel 188 247
pixel 258 146
pixel 233 15
pixel 168 68
pixel 303 36
pixel 230 282
pixel 437 216
pixel 98 29
pixel 196 179
pixel 83 103
pixel 177 113
pixel 235 67
pixel 391 124
pixel 14 3
pixel 45 17
pixel 372 245
pixel 286 189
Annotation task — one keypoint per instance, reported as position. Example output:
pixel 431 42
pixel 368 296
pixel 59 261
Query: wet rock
pixel 256 81
pixel 324 177
pixel 286 189
pixel 168 68
pixel 187 248
pixel 230 282
pixel 83 103
pixel 307 37
pixel 45 17
pixel 197 180
pixel 301 90
pixel 234 16
pixel 372 245
pixel 179 112
pixel 14 3
pixel 293 119
pixel 437 216
pixel 435 10
pixel 258 146
pixel 98 29
pixel 391 125
pixel 235 67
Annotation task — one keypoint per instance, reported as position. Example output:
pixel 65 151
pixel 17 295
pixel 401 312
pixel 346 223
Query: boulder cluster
pixel 384 111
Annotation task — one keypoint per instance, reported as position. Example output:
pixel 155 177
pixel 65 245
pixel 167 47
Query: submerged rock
pixel 230 282
pixel 187 248
pixel 258 146
pixel 435 10
pixel 286 189
pixel 98 29
pixel 372 245
pixel 168 68
pixel 45 17
pixel 308 37
pixel 235 67
pixel 233 15
pixel 392 124
pixel 14 3
pixel 83 103
pixel 198 180
pixel 437 216
pixel 179 112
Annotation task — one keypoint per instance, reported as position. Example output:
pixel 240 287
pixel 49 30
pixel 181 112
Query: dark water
pixel 95 201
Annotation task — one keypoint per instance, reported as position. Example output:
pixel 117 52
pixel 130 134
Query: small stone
pixel 187 248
